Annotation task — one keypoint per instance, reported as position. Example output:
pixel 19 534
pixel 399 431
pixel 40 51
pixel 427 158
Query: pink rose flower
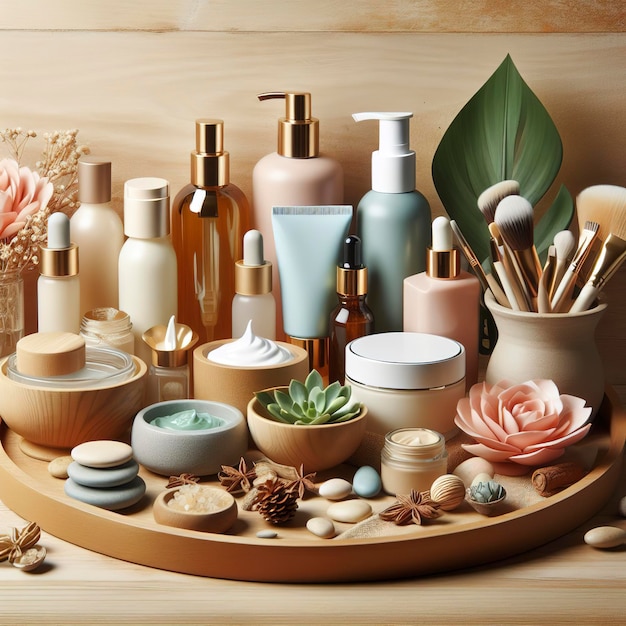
pixel 22 193
pixel 529 424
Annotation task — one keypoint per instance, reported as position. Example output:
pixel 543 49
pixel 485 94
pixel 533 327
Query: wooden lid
pixel 50 354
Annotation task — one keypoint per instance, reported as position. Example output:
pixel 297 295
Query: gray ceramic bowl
pixel 201 452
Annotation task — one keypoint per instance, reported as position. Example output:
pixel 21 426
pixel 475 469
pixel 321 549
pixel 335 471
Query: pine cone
pixel 275 502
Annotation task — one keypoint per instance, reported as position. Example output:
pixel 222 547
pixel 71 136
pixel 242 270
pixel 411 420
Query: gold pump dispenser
pixel 298 132
pixel 210 163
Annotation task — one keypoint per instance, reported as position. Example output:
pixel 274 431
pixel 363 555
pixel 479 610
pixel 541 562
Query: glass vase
pixel 11 310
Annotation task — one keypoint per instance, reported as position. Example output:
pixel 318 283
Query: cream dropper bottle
pixel 58 287
pixel 253 299
pixel 445 300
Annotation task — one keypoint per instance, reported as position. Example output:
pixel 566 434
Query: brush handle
pixel 517 281
pixel 543 301
pixel 564 290
pixel 585 299
pixel 506 285
pixel 497 292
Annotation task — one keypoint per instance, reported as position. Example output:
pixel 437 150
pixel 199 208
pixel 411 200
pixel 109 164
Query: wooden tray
pixel 454 541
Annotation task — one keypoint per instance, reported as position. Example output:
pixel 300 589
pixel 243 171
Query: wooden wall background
pixel 133 77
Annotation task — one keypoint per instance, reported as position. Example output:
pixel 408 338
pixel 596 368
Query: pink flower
pixel 529 424
pixel 22 193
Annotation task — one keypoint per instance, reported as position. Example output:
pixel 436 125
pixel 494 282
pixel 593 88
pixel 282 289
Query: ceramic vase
pixel 11 310
pixel 560 347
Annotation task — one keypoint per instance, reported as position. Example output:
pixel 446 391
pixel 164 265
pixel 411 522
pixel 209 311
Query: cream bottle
pixel 253 301
pixel 295 175
pixel 444 300
pixel 58 286
pixel 209 218
pixel 147 261
pixel 393 220
pixel 97 230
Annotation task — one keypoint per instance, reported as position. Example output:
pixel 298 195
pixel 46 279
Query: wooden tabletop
pixel 563 582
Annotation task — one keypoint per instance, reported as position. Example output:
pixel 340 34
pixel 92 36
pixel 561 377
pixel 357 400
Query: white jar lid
pixel 405 361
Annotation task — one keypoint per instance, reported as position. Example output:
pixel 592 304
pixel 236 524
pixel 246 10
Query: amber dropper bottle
pixel 352 318
pixel 209 219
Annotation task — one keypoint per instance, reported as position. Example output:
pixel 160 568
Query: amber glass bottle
pixel 209 219
pixel 352 318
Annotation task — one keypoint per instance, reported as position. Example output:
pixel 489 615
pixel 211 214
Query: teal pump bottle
pixel 393 220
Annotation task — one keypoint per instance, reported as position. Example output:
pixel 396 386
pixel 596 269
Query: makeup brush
pixel 564 248
pixel 514 217
pixel 561 299
pixel 507 273
pixel 610 258
pixel 543 301
pixel 489 199
pixel 486 280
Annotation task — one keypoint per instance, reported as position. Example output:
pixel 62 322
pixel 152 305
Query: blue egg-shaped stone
pixel 366 482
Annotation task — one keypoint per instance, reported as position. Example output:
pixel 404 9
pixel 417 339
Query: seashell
pixel 448 491
pixel 30 559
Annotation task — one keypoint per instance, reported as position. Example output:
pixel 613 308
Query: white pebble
pixel 622 507
pixel 470 468
pixel 335 489
pixel 350 511
pixel 483 477
pixel 58 467
pixel 604 537
pixel 321 527
pixel 267 534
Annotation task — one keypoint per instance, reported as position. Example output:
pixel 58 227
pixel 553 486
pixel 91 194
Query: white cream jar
pixel 407 380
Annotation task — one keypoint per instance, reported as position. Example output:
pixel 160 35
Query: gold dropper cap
pixel 352 274
pixel 298 132
pixel 210 163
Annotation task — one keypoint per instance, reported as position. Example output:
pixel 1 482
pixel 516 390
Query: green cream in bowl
pixel 194 436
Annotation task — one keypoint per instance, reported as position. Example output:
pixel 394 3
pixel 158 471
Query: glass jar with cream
pixel 407 380
pixel 412 458
pixel 106 326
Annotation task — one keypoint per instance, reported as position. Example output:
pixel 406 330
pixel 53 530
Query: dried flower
pixel 302 484
pixel 52 186
pixel 528 424
pixel 236 479
pixel 183 479
pixel 415 507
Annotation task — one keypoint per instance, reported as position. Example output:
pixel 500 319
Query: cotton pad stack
pixel 104 474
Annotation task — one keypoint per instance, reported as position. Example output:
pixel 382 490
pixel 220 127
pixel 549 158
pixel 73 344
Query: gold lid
pixel 298 132
pixel 165 356
pixel 317 349
pixel 443 263
pixel 210 163
pixel 57 262
pixel 351 282
pixel 253 280
pixel 94 180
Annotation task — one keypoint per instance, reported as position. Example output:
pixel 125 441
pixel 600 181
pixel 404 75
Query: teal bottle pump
pixel 393 219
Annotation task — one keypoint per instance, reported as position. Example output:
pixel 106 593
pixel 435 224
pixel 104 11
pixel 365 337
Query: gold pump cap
pixel 94 180
pixel 298 132
pixel 210 163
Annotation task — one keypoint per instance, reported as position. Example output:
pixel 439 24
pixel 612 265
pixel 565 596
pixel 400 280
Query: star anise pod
pixel 183 479
pixel 236 479
pixel 302 484
pixel 415 507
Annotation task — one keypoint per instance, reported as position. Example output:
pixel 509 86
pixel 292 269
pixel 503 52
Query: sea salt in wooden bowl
pixel 196 507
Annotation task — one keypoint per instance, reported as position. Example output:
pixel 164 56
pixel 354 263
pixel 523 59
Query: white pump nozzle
pixel 393 164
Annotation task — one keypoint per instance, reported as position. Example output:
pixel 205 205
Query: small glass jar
pixel 107 326
pixel 412 458
pixel 167 383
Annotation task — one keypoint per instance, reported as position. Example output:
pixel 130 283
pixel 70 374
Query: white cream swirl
pixel 250 351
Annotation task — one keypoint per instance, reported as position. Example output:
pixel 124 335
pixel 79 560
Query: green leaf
pixel 318 399
pixel 320 419
pixel 313 380
pixel 336 404
pixel 503 132
pixel 298 392
pixel 265 398
pixel 283 400
pixel 332 391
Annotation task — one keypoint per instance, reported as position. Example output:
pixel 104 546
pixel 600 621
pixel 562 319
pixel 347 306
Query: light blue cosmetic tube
pixel 308 242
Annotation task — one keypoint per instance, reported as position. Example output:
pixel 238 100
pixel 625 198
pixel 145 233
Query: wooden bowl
pixel 317 447
pixel 63 417
pixel 217 520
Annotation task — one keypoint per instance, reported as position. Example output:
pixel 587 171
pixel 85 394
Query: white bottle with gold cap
pixel 147 262
pixel 58 287
pixel 253 299
pixel 97 230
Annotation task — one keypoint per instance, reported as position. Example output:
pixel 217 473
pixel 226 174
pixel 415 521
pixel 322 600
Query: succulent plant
pixel 486 492
pixel 309 403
